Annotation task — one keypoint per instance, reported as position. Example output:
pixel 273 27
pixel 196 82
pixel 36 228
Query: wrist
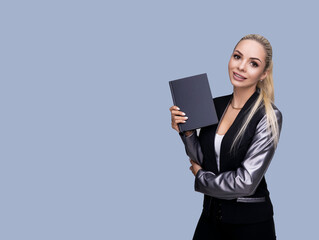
pixel 198 172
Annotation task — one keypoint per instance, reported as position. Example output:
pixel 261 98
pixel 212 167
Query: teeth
pixel 238 76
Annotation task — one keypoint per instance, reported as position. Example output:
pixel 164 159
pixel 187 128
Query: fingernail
pixel 177 108
pixel 186 117
pixel 184 114
pixel 184 121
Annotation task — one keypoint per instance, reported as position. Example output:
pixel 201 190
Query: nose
pixel 242 66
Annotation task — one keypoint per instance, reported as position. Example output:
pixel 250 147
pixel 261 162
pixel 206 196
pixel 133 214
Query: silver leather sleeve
pixel 244 180
pixel 192 147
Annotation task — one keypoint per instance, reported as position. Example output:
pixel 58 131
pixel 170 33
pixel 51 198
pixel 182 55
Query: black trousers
pixel 211 228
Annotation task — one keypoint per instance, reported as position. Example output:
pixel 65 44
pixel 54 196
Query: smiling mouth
pixel 238 76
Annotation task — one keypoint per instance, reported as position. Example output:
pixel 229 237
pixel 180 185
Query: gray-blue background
pixel 87 151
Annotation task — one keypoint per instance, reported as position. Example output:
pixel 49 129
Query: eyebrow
pixel 250 58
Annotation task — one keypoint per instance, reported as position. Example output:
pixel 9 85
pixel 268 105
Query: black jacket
pixel 238 193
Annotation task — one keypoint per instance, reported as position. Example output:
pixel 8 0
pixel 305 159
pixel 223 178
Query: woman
pixel 229 159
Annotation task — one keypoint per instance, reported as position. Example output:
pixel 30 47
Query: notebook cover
pixel 193 96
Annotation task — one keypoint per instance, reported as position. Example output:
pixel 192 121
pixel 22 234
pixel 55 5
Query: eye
pixel 254 64
pixel 236 56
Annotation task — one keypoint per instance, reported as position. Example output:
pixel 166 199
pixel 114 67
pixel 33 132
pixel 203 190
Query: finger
pixel 174 108
pixel 178 113
pixel 176 118
pixel 178 121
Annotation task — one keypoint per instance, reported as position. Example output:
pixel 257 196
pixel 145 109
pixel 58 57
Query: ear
pixel 264 75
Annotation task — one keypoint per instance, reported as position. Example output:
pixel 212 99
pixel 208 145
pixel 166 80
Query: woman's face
pixel 247 63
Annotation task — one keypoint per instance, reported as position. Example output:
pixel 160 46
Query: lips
pixel 238 76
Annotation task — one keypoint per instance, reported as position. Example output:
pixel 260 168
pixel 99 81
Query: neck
pixel 241 95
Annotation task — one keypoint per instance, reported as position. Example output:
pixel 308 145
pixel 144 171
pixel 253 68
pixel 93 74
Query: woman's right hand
pixel 178 116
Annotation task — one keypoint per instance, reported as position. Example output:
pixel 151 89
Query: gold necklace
pixel 231 104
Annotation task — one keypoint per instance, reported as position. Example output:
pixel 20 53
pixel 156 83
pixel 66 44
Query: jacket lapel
pixel 232 132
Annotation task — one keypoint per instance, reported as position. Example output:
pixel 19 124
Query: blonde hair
pixel 266 95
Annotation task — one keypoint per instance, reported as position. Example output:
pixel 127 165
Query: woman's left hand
pixel 195 167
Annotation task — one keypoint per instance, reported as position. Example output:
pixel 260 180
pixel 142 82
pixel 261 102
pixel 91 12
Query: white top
pixel 218 141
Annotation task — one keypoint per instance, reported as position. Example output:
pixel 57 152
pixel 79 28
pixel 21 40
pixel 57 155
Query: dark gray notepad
pixel 193 96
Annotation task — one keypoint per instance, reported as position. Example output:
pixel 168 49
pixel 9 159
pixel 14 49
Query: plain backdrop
pixel 87 149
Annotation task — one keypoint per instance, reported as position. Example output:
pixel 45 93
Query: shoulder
pixel 277 112
pixel 262 116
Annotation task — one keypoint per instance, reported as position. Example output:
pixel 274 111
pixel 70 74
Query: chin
pixel 237 83
pixel 243 84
